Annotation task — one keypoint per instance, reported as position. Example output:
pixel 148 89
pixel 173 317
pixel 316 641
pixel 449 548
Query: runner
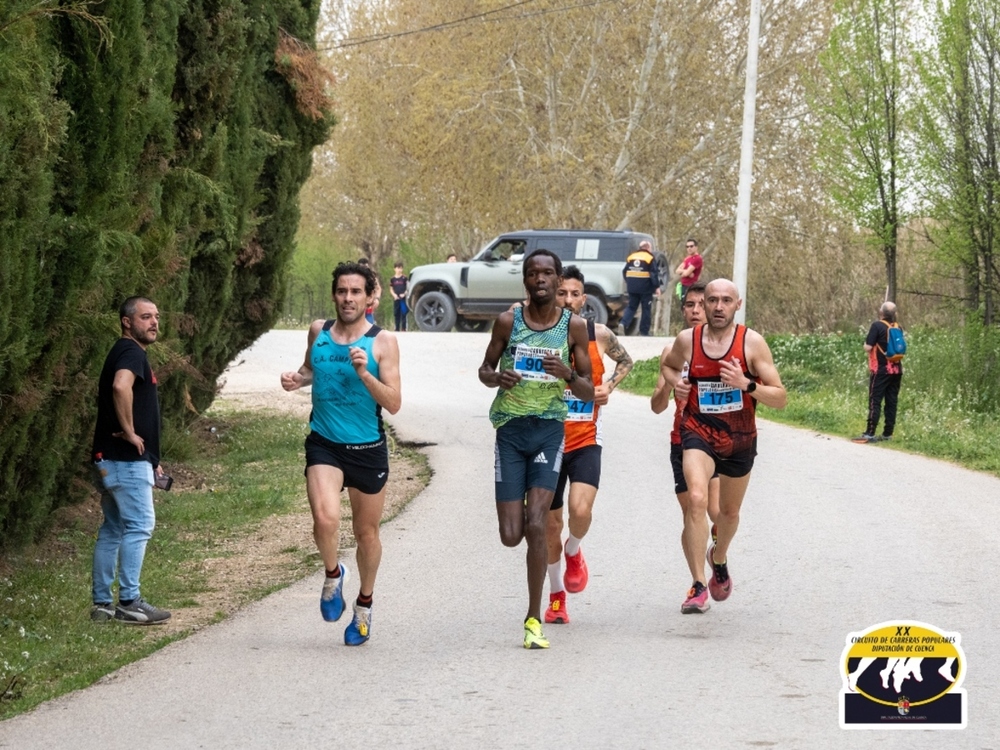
pixel 353 367
pixel 693 310
pixel 531 346
pixel 581 454
pixel 731 369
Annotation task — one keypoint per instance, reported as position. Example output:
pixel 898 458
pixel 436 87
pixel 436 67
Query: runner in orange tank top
pixel 581 466
pixel 731 369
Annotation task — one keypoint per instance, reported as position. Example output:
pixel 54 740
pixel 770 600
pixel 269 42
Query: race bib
pixel 717 397
pixel 577 410
pixel 528 362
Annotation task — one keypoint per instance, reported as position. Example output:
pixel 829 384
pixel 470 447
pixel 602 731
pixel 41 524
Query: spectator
pixel 884 379
pixel 689 270
pixel 642 282
pixel 398 285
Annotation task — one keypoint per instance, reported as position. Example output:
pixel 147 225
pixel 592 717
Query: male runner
pixel 581 464
pixel 532 347
pixel 730 370
pixel 353 367
pixel 693 310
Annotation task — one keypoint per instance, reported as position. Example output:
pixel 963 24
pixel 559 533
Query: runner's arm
pixel 660 399
pixel 579 341
pixel 612 347
pixel 488 374
pixel 303 377
pixel 672 363
pixel 386 388
pixel 770 390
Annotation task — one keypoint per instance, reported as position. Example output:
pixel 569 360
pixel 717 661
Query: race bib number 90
pixel 718 398
pixel 528 362
pixel 577 410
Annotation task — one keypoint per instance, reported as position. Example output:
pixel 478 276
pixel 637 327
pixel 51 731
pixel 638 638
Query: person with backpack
pixel 886 347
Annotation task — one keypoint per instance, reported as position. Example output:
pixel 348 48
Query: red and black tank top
pixel 721 415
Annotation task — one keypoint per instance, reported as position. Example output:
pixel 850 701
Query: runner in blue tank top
pixel 353 368
pixel 532 347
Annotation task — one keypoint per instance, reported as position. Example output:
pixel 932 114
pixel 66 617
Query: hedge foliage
pixel 151 148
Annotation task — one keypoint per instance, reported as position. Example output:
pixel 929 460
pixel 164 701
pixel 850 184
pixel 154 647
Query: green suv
pixel 471 294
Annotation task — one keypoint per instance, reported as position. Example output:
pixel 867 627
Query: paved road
pixel 835 537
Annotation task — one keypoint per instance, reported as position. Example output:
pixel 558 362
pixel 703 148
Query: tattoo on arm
pixel 623 362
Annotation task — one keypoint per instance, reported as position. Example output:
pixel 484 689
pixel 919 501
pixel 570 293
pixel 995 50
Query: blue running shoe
pixel 331 601
pixel 359 629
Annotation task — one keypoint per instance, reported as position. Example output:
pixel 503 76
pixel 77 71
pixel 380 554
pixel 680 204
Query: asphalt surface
pixel 835 537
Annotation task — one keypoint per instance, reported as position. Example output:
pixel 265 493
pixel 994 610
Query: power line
pixel 357 41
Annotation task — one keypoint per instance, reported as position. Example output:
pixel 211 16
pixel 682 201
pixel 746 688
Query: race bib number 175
pixel 717 397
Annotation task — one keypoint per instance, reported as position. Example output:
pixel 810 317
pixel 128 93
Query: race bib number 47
pixel 577 410
pixel 718 398
pixel 528 362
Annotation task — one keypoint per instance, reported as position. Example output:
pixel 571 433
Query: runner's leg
pixel 323 485
pixel 366 515
pixel 731 492
pixel 698 470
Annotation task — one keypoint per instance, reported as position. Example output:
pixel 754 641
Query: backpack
pixel 895 345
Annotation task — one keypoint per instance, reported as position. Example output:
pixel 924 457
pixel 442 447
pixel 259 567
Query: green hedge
pixel 145 148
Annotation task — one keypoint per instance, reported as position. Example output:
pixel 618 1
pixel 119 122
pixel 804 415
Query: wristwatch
pixel 751 386
pixel 572 377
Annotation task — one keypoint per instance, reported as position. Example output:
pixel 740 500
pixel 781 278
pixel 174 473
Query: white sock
pixel 572 545
pixel 555 577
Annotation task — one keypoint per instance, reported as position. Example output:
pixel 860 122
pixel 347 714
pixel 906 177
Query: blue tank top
pixel 343 411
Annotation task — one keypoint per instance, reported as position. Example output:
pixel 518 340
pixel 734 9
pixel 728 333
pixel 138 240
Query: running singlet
pixel 343 411
pixel 583 418
pixel 538 394
pixel 723 416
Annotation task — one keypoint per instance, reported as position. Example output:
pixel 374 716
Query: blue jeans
pixel 127 503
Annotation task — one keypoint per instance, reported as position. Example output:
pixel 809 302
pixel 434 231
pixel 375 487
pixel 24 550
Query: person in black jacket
pixel 642 282
pixel 884 380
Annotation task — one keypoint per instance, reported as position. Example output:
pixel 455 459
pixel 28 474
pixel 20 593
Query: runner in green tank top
pixel 532 347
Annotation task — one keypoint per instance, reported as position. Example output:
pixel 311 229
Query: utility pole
pixel 741 249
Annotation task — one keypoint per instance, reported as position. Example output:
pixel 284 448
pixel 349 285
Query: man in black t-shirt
pixel 884 380
pixel 399 285
pixel 126 454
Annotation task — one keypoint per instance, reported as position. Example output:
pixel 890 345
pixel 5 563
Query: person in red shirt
pixel 689 270
pixel 730 370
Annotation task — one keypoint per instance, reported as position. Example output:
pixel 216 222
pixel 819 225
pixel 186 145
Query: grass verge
pixel 942 410
pixel 238 505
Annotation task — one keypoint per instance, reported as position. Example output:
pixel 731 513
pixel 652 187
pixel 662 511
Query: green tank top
pixel 538 394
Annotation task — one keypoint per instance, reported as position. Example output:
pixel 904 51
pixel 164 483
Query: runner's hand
pixel 601 394
pixel 553 365
pixel 507 379
pixel 731 373
pixel 291 381
pixel 359 360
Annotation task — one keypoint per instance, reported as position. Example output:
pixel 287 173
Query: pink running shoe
pixel 576 576
pixel 720 585
pixel 697 600
pixel 557 609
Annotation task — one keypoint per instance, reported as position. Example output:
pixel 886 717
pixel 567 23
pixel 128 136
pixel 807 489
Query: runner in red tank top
pixel 581 465
pixel 693 310
pixel 731 369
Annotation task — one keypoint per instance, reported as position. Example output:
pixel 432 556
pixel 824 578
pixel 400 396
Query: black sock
pixel 335 573
pixel 125 602
pixel 365 601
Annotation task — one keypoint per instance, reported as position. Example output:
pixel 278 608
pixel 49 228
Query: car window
pixel 504 249
pixel 614 249
pixel 563 247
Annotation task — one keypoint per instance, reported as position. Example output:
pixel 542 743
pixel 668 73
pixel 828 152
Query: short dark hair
pixel 572 272
pixel 698 286
pixel 364 261
pixel 548 253
pixel 693 241
pixel 354 269
pixel 127 308
pixel 398 264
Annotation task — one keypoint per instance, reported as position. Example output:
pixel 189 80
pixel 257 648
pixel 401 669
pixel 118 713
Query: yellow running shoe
pixel 533 637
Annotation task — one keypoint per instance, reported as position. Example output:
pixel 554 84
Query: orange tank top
pixel 583 421
pixel 722 416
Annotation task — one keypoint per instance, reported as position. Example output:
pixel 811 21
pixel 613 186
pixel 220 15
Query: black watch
pixel 751 386
pixel 572 377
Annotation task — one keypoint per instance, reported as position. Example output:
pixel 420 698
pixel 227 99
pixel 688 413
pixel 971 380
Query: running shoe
pixel 697 600
pixel 533 637
pixel 140 612
pixel 715 533
pixel 575 578
pixel 331 601
pixel 720 585
pixel 102 612
pixel 865 438
pixel 557 609
pixel 359 629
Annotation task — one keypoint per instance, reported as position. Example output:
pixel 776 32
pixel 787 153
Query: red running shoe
pixel 557 609
pixel 720 585
pixel 697 600
pixel 575 578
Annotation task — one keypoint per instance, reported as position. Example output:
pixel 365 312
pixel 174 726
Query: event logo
pixel 878 663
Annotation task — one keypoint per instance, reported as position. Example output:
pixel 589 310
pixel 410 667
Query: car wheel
pixel 471 326
pixel 595 308
pixel 434 312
